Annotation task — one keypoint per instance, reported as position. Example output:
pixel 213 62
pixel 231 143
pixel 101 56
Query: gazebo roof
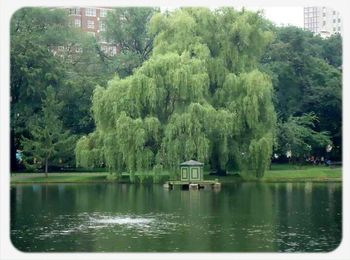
pixel 191 163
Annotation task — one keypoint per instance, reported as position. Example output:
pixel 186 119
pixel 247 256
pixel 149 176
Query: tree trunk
pixel 46 167
pixel 220 172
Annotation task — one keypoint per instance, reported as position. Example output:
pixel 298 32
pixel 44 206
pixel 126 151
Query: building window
pixel 102 26
pixel 324 14
pixel 74 11
pixel 334 20
pixel 324 23
pixel 90 12
pixel 338 20
pixel 334 29
pixel 339 29
pixel 103 12
pixel 77 23
pixel 333 12
pixel 90 24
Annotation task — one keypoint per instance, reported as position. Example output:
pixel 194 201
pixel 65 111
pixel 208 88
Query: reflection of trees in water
pixel 240 217
pixel 308 218
pixel 308 197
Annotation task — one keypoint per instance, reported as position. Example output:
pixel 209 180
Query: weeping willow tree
pixel 199 96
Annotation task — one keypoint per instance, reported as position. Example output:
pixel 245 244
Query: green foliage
pixel 200 93
pixel 33 66
pixel 88 153
pixel 46 51
pixel 296 135
pixel 261 151
pixel 306 73
pixel 48 140
pixel 127 28
pixel 332 50
pixel 195 98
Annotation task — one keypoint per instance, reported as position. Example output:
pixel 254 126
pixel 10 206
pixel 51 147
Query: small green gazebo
pixel 191 171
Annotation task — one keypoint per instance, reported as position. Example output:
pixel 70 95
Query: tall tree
pixel 48 140
pixel 45 51
pixel 200 96
pixel 128 29
pixel 333 50
pixel 33 66
pixel 297 136
pixel 306 73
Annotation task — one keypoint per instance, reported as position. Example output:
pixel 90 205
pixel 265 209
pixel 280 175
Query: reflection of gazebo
pixel 191 171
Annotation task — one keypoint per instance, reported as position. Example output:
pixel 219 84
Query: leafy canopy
pixel 128 29
pixel 199 96
pixel 46 51
pixel 296 135
pixel 306 73
pixel 48 140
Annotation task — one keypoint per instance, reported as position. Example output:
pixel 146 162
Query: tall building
pixel 92 21
pixel 324 21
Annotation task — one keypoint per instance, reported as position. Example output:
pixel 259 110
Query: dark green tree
pixel 306 73
pixel 32 66
pixel 128 29
pixel 333 50
pixel 297 136
pixel 48 140
pixel 45 51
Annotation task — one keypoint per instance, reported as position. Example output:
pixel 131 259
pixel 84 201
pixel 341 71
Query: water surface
pixel 246 217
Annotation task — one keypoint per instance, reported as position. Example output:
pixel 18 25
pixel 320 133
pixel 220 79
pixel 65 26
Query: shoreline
pixel 277 173
pixel 222 180
pixel 222 183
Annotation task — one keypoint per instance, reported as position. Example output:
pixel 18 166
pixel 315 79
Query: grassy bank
pixel 278 173
pixel 306 173
pixel 83 177
pixel 87 177
pixel 288 173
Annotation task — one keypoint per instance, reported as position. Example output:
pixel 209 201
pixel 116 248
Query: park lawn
pixel 73 177
pixel 306 173
pixel 286 173
pixel 58 178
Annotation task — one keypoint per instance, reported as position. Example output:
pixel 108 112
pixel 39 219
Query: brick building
pixel 92 21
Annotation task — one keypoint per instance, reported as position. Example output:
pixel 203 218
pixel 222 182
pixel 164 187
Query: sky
pixel 284 15
pixel 279 15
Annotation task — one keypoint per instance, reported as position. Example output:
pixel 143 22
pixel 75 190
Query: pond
pixel 242 217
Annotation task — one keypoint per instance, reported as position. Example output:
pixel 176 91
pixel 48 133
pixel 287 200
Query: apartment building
pixel 323 21
pixel 92 21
